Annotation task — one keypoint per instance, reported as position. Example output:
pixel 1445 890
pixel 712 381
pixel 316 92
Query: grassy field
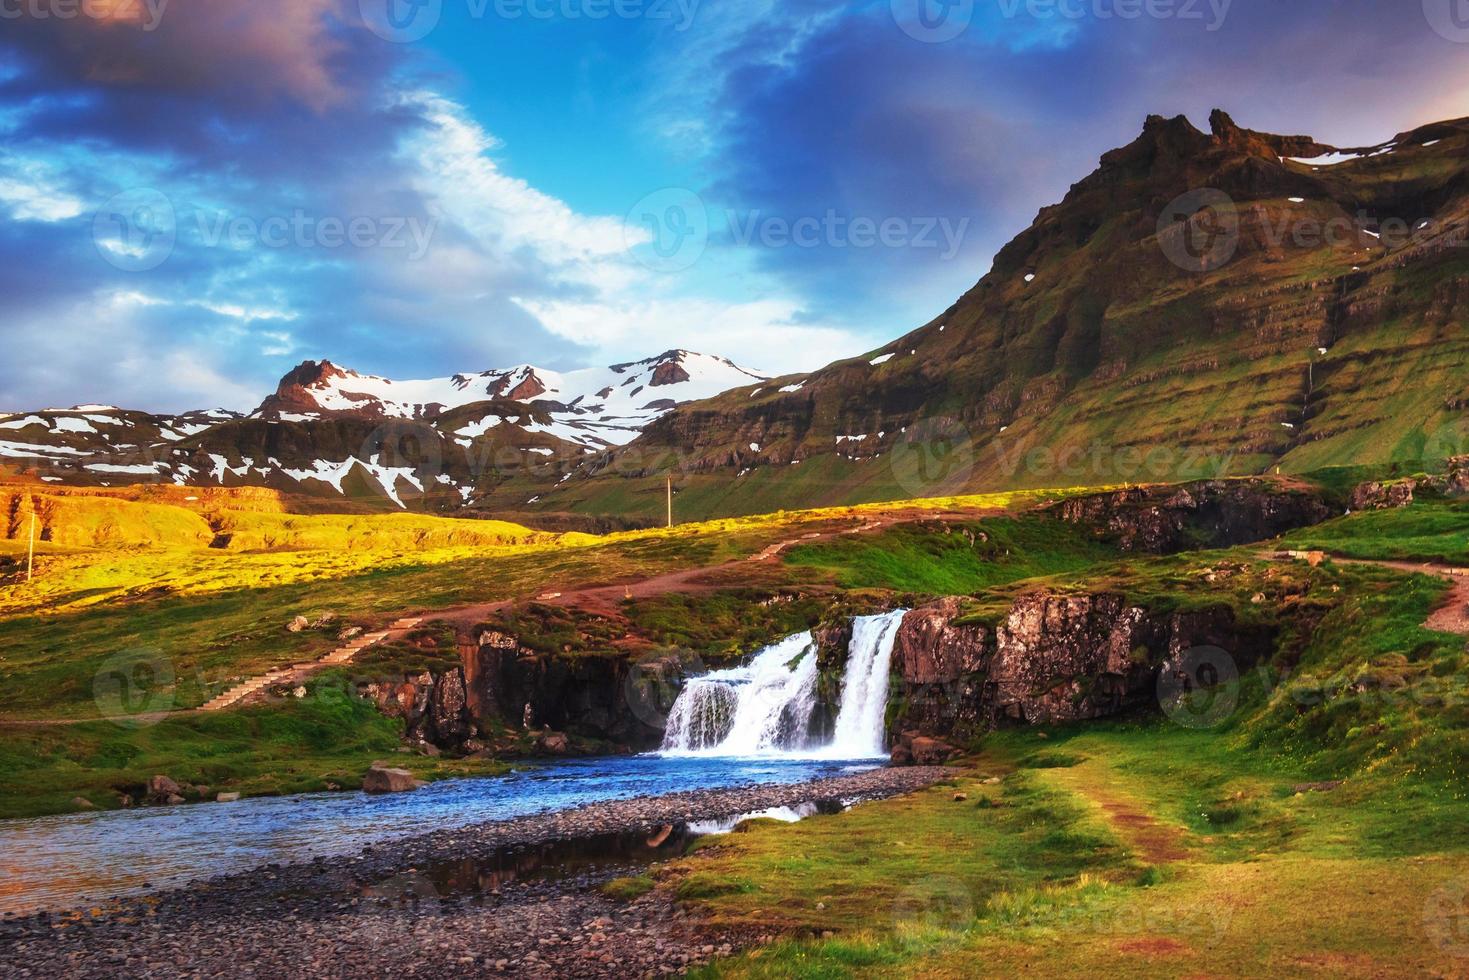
pixel 1433 530
pixel 1121 849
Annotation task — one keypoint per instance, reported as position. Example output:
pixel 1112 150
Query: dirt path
pixel 1154 841
pixel 1452 617
pixel 604 600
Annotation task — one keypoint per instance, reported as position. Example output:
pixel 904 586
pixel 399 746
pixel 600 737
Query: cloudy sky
pixel 196 195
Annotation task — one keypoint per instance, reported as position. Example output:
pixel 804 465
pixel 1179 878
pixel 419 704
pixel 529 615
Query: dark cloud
pixel 999 122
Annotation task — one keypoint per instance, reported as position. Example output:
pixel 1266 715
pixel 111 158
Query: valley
pixel 1312 743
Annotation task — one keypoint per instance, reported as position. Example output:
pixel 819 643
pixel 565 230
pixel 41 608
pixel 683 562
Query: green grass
pixel 1428 530
pixel 293 746
pixel 953 558
pixel 1039 875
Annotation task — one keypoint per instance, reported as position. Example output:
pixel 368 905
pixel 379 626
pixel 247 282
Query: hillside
pixel 1313 315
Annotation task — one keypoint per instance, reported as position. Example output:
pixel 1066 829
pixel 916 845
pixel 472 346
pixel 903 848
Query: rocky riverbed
pixel 503 898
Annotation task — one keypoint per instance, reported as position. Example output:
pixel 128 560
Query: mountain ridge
pixel 1331 331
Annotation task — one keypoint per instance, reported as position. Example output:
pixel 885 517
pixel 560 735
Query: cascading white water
pixel 765 707
pixel 762 707
pixel 862 720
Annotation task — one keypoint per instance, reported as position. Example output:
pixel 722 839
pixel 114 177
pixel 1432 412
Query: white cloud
pixel 753 334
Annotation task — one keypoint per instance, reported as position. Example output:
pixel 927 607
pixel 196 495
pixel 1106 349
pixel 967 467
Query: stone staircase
pixel 297 673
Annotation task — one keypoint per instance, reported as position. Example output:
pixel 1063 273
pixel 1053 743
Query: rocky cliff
pixel 1053 657
pixel 1205 514
pixel 558 704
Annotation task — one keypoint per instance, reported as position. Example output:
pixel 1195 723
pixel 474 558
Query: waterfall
pixel 765 707
pixel 762 707
pixel 862 721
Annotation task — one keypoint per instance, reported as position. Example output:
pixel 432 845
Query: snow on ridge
pixel 590 406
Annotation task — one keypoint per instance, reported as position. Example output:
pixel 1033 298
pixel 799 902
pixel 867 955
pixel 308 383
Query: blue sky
pixel 196 195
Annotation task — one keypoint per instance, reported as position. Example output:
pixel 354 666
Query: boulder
pixel 163 790
pixel 381 779
pixel 82 803
pixel 227 798
pixel 932 752
pixel 297 624
pixel 554 743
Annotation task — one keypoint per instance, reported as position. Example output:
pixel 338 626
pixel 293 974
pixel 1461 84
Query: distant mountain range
pixel 330 432
pixel 1221 303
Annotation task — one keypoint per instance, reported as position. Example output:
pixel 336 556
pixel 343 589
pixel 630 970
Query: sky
pixel 196 195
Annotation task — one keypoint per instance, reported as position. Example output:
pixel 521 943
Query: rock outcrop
pixel 1053 657
pixel 1384 495
pixel 502 685
pixel 382 779
pixel 1206 514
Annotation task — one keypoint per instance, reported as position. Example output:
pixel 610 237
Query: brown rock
pixel 380 779
pixel 932 752
pixel 163 790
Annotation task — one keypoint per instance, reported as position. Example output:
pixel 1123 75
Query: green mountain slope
pixel 1314 313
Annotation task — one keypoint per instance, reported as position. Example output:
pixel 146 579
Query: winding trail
pixel 605 600
pixel 1452 617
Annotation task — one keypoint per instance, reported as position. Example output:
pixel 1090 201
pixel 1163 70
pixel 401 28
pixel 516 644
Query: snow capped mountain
pixel 491 439
pixel 593 407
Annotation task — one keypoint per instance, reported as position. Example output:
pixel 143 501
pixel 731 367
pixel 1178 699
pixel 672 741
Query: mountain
pixel 595 407
pixel 487 440
pixel 1202 304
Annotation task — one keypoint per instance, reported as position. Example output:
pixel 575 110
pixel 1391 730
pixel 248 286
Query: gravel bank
pixel 442 902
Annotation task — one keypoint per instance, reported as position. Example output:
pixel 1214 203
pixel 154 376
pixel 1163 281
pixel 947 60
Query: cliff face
pixel 1207 514
pixel 501 685
pixel 1052 658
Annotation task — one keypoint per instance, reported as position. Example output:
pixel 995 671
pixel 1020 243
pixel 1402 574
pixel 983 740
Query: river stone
pixel 161 789
pixel 227 797
pixel 384 780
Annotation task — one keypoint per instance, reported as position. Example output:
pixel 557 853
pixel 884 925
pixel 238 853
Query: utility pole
pixel 31 548
pixel 670 500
